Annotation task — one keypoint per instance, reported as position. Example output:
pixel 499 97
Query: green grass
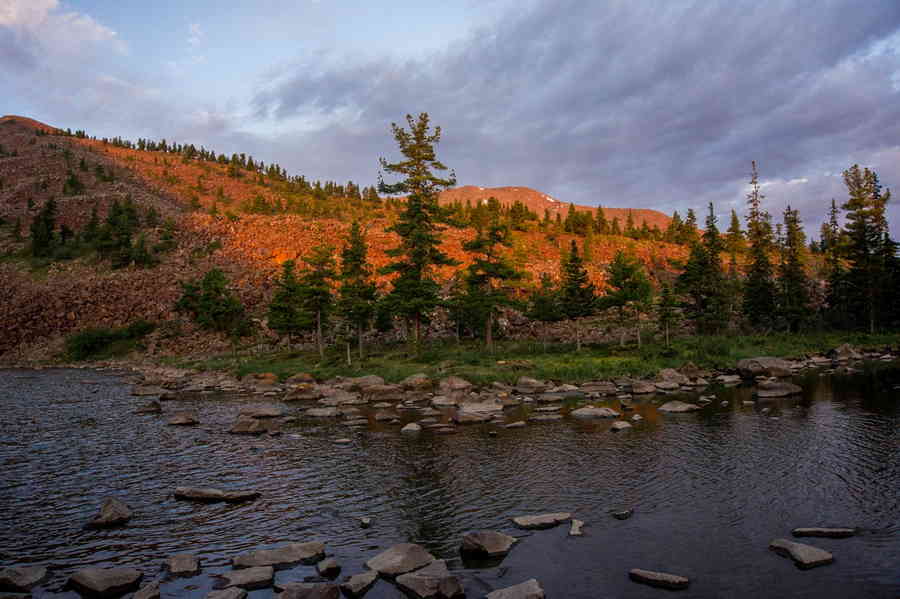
pixel 556 362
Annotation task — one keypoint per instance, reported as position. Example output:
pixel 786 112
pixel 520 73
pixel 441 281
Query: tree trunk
pixel 348 353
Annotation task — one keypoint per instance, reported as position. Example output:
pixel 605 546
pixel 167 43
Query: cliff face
pixel 41 301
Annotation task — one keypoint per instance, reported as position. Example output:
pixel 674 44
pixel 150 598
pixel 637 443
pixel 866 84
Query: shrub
pixel 104 342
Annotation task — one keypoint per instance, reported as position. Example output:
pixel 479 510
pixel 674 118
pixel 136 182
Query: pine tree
pixel 357 293
pixel 734 237
pixel 688 234
pixel 285 315
pixel 629 290
pixel 213 305
pixel 315 291
pixel 601 226
pixel 703 281
pixel 667 311
pixel 759 288
pixel 43 237
pixel 577 295
pixel 544 303
pixel 92 229
pixel 673 231
pixel 415 292
pixel 793 300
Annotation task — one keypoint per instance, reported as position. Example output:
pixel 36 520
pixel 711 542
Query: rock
pixel 384 392
pixel 667 385
pixel 151 407
pixel 411 429
pixel 729 379
pixel 245 425
pixel 261 412
pixel 527 385
pixel 441 401
pixel 659 579
pixel 249 578
pixel 486 543
pixel 342 441
pixel 105 582
pixel 418 382
pixel 637 418
pixel 831 533
pixel 145 390
pixel 286 555
pixel 454 386
pixel 622 514
pixel 300 377
pixel 619 425
pixel 516 424
pixel 21 579
pixel 642 388
pixel 209 495
pixel 306 392
pixel 763 366
pixel 805 556
pixel 590 412
pixel 530 589
pixel 575 529
pixel 678 406
pixel 400 559
pixel 183 564
pixel 184 418
pixel 365 522
pixel 306 590
pixel 361 382
pixel 541 521
pixel 112 513
pixel 148 591
pixel 321 413
pixel 691 371
pixel 670 375
pixel 769 389
pixel 329 568
pixel 358 584
pixel 432 581
pixel 844 353
pixel 599 387
pixel 229 593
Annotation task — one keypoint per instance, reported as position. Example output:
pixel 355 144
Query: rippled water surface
pixel 709 489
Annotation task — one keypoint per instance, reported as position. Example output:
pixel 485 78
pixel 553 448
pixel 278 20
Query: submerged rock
pixel 249 578
pixel 184 418
pixel 678 407
pixel 329 568
pixel 486 543
pixel 530 589
pixel 542 520
pixel 209 495
pixel 359 584
pixel 659 579
pixel 148 591
pixel 286 555
pixel 805 556
pixel 229 593
pixel 105 582
pixel 306 590
pixel 411 429
pixel 589 412
pixel 768 389
pixel 831 533
pixel 432 581
pixel 400 559
pixel 575 529
pixel 21 579
pixel 183 564
pixel 113 512
pixel 619 425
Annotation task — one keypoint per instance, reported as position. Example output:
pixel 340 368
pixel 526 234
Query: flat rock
pixel 667 385
pixel 678 407
pixel 768 389
pixel 417 381
pixel 729 379
pixel 306 590
pixel 148 591
pixel 359 584
pixel 432 581
pixel 259 577
pixel 113 512
pixel 151 407
pixel 146 390
pixel 183 564
pixel 209 495
pixel 516 424
pixel 764 366
pixel 530 589
pixel 330 412
pixel 411 429
pixel 805 556
pixel 400 559
pixel 600 387
pixel 590 412
pixel 642 388
pixel 184 418
pixel 229 593
pixel 659 579
pixel 105 582
pixel 487 543
pixel 831 533
pixel 244 425
pixel 542 520
pixel 442 401
pixel 21 579
pixel 329 568
pixel 286 555
pixel 576 529
pixel 619 425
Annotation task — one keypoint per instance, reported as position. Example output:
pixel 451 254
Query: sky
pixel 623 103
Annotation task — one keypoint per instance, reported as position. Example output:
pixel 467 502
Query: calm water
pixel 709 489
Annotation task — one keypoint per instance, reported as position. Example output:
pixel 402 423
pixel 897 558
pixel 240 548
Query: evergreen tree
pixel 734 237
pixel 315 291
pixel 42 230
pixel 673 231
pixel 759 288
pixel 544 303
pixel 577 295
pixel 793 301
pixel 286 315
pixel 357 293
pixel 629 290
pixel 213 305
pixel 688 234
pixel 415 292
pixel 667 311
pixel 600 224
pixel 703 281
pixel 92 229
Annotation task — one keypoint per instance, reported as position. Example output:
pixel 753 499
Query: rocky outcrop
pixel 209 495
pixel 675 407
pixel 432 581
pixel 805 556
pixel 486 543
pixel 113 512
pixel 286 555
pixel 591 412
pixel 400 559
pixel 359 584
pixel 105 582
pixel 659 579
pixel 21 579
pixel 541 521
pixel 530 589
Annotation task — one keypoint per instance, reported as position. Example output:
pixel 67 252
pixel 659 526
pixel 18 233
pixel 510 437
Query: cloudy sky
pixel 621 103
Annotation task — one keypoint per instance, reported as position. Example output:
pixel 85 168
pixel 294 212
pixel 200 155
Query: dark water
pixel 709 489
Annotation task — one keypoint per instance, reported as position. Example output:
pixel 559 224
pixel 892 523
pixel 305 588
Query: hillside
pixel 242 221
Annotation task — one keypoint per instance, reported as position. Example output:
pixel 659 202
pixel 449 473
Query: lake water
pixel 709 489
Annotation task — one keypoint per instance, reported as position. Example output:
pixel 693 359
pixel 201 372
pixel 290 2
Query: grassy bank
pixel 555 362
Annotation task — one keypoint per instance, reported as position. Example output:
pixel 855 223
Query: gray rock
pixel 148 591
pixel 329 568
pixel 831 533
pixel 517 424
pixel 805 556
pixel 113 512
pixel 411 429
pixel 208 495
pixel 622 514
pixel 678 407
pixel 21 579
pixel 365 522
pixel 184 418
pixel 400 559
pixel 417 381
pixel 530 589
pixel 542 520
pixel 245 425
pixel 486 543
pixel 331 412
pixel 844 352
pixel 359 584
pixel 670 375
pixel 259 577
pixel 576 529
pixel 229 593
pixel 306 590
pixel 659 579
pixel 151 407
pixel 183 564
pixel 286 555
pixel 642 388
pixel 619 425
pixel 763 366
pixel 770 389
pixel 105 582
pixel 590 412
pixel 432 581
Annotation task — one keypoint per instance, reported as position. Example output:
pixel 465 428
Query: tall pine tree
pixel 315 291
pixel 703 281
pixel 759 288
pixel 793 296
pixel 577 295
pixel 357 293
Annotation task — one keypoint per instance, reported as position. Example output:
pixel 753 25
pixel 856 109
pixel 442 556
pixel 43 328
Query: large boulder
pixel 417 382
pixel 541 521
pixel 286 555
pixel 772 389
pixel 260 577
pixel 400 559
pixel 805 556
pixel 432 581
pixel 113 512
pixel 359 584
pixel 591 412
pixel 105 582
pixel 844 353
pixel 454 386
pixel 530 589
pixel 486 543
pixel 670 375
pixel 675 407
pixel 659 579
pixel 763 366
pixel 21 579
pixel 208 495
